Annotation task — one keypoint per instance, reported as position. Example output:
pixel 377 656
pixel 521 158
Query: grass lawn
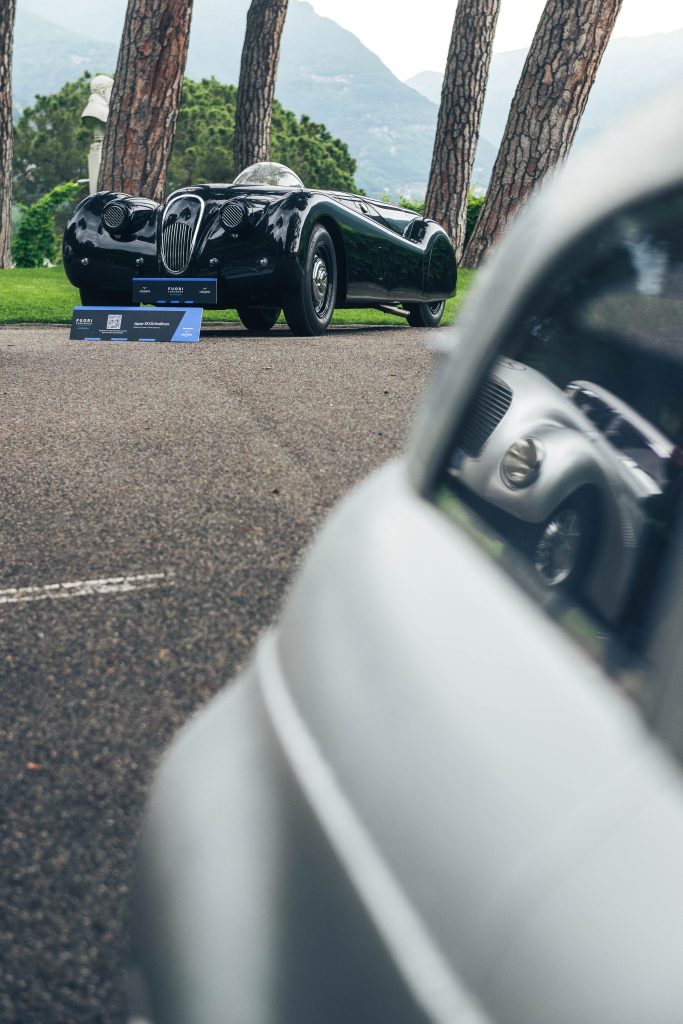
pixel 45 296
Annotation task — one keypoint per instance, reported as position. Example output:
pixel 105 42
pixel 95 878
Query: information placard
pixel 175 291
pixel 130 323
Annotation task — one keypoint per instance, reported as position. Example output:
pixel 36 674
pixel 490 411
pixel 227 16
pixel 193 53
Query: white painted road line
pixel 86 588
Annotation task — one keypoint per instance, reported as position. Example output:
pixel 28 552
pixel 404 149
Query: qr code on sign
pixel 114 321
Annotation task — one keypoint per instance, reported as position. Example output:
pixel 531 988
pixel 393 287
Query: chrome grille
pixel 179 231
pixel 483 416
pixel 177 244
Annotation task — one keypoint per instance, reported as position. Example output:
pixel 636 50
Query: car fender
pixel 568 464
pixel 441 273
pixel 277 882
pixel 91 253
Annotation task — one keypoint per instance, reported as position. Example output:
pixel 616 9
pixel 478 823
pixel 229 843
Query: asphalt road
pixel 186 479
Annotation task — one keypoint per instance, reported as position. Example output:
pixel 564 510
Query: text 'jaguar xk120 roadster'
pixel 271 245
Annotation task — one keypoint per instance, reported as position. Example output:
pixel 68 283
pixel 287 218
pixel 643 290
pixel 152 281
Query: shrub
pixel 36 240
pixel 411 204
pixel 474 205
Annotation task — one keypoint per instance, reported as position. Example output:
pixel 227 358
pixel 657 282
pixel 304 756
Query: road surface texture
pixel 155 501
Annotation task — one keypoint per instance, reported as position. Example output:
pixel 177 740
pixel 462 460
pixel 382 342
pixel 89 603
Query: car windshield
pixel 268 174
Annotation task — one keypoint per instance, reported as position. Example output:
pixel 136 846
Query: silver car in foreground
pixel 443 790
pixel 570 475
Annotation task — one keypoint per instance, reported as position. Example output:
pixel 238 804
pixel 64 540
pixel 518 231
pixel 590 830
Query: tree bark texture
pixel 7 13
pixel 546 110
pixel 145 98
pixel 457 129
pixel 260 54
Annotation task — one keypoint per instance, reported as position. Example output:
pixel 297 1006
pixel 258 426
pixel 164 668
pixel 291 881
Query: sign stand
pixel 135 323
pixel 132 323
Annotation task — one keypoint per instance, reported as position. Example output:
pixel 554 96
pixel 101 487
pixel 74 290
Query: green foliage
pixel 410 204
pixel 308 148
pixel 36 238
pixel 202 146
pixel 51 143
pixel 474 205
pixel 202 149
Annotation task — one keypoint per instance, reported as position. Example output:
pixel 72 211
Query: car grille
pixel 483 416
pixel 179 232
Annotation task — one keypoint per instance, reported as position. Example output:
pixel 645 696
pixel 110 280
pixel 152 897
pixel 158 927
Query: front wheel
pixel 309 308
pixel 99 297
pixel 425 314
pixel 564 544
pixel 258 318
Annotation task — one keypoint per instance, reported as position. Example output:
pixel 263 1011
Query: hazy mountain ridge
pixel 325 72
pixel 47 55
pixel 631 70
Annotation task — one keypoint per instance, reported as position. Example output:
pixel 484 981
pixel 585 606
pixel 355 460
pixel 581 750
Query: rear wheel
pixel 425 314
pixel 99 297
pixel 258 318
pixel 309 307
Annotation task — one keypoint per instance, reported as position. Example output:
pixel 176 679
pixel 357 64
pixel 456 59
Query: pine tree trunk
pixel 260 54
pixel 145 98
pixel 457 129
pixel 546 110
pixel 7 13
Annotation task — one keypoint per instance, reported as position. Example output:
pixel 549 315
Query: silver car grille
pixel 179 230
pixel 484 415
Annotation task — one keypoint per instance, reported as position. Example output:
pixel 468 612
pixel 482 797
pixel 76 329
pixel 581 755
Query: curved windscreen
pixel 268 174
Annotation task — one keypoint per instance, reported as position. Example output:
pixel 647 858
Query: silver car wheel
pixel 320 281
pixel 557 552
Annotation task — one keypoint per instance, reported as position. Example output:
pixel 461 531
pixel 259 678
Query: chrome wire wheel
pixel 436 308
pixel 559 546
pixel 320 283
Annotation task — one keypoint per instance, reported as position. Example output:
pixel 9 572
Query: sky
pixel 410 45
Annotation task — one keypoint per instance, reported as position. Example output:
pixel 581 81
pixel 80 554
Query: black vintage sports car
pixel 271 244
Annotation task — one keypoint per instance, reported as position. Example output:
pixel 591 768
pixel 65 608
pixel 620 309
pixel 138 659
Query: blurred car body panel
pixel 446 788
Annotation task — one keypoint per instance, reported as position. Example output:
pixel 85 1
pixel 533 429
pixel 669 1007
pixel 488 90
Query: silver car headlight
pixel 521 463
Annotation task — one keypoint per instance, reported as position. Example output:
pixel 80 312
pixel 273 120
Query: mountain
pixel 47 55
pixel 324 72
pixel 631 70
pixel 327 73
pixel 428 84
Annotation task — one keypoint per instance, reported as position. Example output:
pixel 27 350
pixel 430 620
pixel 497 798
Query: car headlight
pixel 521 463
pixel 115 216
pixel 233 216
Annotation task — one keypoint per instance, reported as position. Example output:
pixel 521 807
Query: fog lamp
pixel 520 465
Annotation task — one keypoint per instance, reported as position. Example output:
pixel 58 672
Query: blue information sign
pixel 131 323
